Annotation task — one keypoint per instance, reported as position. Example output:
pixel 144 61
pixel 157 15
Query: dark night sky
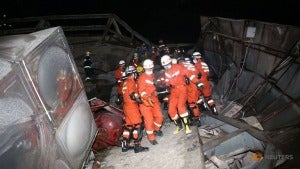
pixel 174 21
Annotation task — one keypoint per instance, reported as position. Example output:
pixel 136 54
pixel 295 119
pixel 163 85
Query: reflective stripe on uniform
pixel 172 75
pixel 149 131
pixel 168 75
pixel 200 101
pixel 184 114
pixel 175 117
pixel 192 77
pixel 143 93
pixel 126 133
pixel 175 74
pixel 204 67
pixel 149 82
pixel 158 125
pixel 210 102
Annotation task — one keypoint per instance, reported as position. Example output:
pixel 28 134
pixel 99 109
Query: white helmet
pixel 135 55
pixel 187 60
pixel 148 64
pixel 165 60
pixel 174 61
pixel 121 62
pixel 197 55
pixel 130 69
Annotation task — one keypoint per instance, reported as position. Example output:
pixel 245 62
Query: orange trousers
pixel 207 90
pixel 177 102
pixel 132 113
pixel 133 120
pixel 193 96
pixel 153 118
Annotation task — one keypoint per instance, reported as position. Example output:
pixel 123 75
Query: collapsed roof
pixel 255 67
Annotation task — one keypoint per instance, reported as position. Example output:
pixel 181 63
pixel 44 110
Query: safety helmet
pixel 121 62
pixel 135 55
pixel 130 69
pixel 148 64
pixel 187 60
pixel 197 55
pixel 139 69
pixel 87 53
pixel 161 41
pixel 165 60
pixel 174 61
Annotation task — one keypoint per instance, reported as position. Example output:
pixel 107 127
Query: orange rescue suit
pixel 150 108
pixel 193 92
pixel 207 89
pixel 175 78
pixel 133 118
pixel 130 107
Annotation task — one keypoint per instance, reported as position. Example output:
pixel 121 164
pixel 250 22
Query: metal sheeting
pixel 257 65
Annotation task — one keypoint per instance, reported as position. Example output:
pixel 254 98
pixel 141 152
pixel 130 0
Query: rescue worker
pixel 193 93
pixel 133 119
pixel 175 78
pixel 150 107
pixel 154 55
pixel 135 60
pixel 204 74
pixel 87 65
pixel 118 75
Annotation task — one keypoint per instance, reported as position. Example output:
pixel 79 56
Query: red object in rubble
pixel 109 121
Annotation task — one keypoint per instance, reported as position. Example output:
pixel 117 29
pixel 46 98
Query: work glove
pixel 200 86
pixel 148 102
pixel 134 96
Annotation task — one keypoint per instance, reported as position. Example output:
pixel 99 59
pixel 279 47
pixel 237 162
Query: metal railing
pixel 110 25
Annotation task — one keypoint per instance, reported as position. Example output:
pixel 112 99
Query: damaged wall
pixel 257 65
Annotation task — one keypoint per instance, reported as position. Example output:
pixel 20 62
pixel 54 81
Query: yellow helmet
pixel 87 53
pixel 139 69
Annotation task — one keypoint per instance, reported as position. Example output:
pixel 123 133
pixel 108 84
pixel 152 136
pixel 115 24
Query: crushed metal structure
pixel 255 67
pixel 254 71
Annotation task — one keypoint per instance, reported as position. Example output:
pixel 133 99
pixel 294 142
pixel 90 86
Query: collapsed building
pixel 254 71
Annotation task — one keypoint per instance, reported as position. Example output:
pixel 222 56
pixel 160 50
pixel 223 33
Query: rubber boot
pixel 138 148
pixel 186 124
pixel 178 126
pixel 125 145
pixel 214 110
pixel 158 133
pixel 153 142
pixel 195 122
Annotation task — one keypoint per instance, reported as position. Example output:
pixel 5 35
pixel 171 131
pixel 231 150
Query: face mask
pixel 149 71
pixel 168 66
